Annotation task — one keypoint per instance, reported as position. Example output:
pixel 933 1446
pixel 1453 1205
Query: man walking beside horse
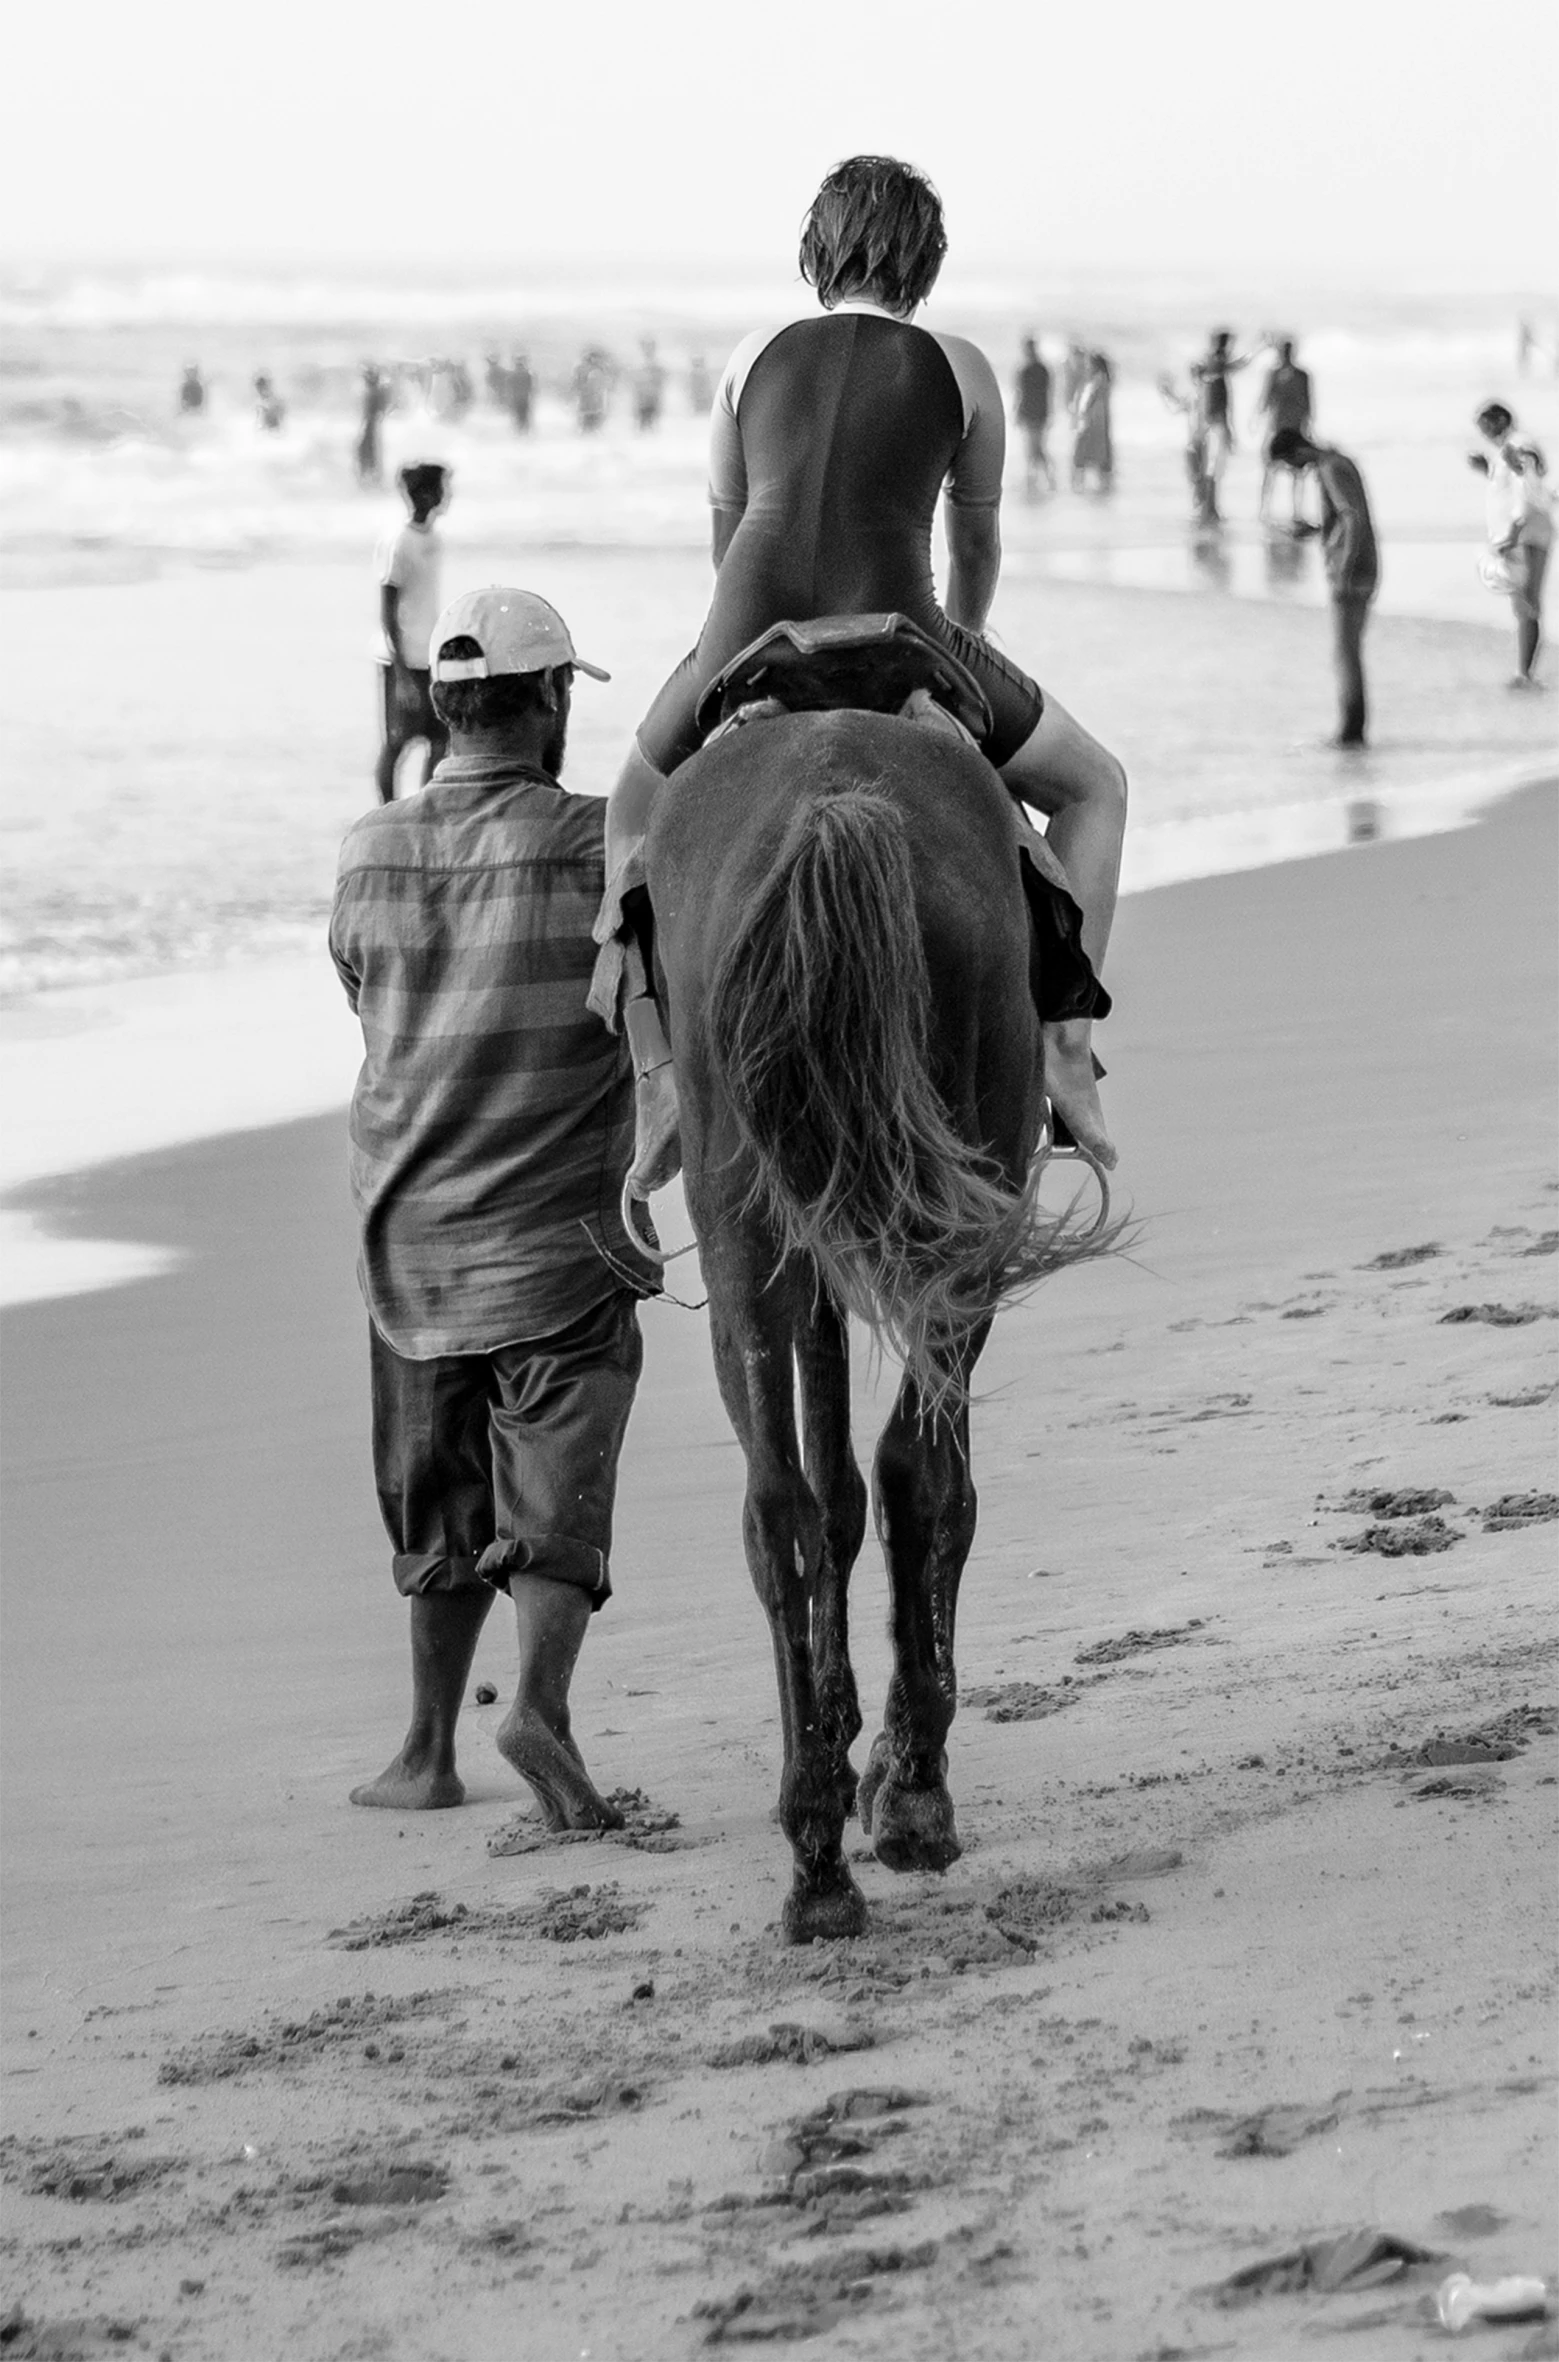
pixel 491 1128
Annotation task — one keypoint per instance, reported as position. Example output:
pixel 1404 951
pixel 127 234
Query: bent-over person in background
pixel 1352 566
pixel 491 1130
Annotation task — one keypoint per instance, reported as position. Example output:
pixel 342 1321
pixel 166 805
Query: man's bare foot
pixel 554 1769
pixel 412 1785
pixel 657 1147
pixel 1069 1079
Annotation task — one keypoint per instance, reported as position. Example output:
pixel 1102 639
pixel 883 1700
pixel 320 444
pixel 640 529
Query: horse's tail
pixel 819 1020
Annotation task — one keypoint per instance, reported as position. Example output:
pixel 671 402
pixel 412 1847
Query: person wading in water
pixel 831 442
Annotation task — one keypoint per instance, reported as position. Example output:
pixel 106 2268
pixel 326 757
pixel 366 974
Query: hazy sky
pixel 1338 135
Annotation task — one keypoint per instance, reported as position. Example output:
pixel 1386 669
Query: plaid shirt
pixel 492 1122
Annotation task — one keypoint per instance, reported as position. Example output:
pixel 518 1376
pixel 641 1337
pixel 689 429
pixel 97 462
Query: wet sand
pixel 1230 1962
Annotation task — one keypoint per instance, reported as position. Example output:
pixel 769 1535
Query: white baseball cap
pixel 516 631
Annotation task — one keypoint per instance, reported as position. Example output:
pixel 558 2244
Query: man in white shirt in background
pixel 410 578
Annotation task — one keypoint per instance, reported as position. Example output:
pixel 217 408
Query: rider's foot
pixel 1073 1091
pixel 657 1149
pixel 657 1143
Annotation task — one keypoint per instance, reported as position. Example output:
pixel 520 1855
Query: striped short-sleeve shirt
pixel 492 1122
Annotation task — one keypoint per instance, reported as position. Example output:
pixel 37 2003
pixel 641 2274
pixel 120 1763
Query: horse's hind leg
pixel 823 1352
pixel 926 1508
pixel 754 1330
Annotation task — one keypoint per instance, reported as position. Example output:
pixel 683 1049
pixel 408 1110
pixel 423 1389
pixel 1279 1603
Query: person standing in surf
pixel 368 452
pixel 1031 408
pixel 1521 530
pixel 1284 402
pixel 649 387
pixel 410 568
pixel 1093 435
pixel 1210 376
pixel 832 440
pixel 491 1129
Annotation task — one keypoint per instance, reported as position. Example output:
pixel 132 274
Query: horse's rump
pixel 863 988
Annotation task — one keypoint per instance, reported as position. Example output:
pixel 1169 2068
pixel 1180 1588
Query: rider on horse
pixel 832 440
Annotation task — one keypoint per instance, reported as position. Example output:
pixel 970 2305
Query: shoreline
pixel 96 1073
pixel 1432 577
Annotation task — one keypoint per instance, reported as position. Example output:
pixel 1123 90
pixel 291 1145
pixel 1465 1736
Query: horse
pixel 843 950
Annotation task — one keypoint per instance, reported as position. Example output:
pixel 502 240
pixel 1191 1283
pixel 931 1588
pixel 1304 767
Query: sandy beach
pixel 1249 1945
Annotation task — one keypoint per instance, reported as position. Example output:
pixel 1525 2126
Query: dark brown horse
pixel 844 951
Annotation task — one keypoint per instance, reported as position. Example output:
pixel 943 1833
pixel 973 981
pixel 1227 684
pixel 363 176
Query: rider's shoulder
pixel 976 378
pixel 743 358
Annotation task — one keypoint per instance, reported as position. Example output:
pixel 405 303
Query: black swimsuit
pixel 838 437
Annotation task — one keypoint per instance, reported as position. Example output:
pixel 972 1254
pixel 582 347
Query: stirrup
pixel 652 1254
pixel 1046 1152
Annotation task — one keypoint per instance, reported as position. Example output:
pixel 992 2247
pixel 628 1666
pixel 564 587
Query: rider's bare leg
pixel 1065 773
pixel 657 1154
pixel 657 1146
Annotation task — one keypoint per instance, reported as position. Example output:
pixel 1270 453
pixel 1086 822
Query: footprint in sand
pixel 1514 1510
pixel 389 2185
pixel 645 1828
pixel 1496 1316
pixel 563 1917
pixel 1137 1643
pixel 1023 1701
pixel 1416 1537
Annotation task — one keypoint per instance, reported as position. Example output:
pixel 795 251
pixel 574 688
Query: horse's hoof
pixel 822 1916
pixel 913 1828
pixel 877 1765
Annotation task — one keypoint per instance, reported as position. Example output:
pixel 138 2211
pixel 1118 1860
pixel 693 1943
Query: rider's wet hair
pixel 1494 419
pixel 505 697
pixel 875 228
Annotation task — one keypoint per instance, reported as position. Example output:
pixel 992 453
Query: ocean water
pixel 188 612
pixel 189 605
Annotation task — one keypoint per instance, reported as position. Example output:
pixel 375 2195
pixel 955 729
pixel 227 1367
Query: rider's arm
pixel 722 527
pixel 727 460
pixel 973 564
pixel 973 505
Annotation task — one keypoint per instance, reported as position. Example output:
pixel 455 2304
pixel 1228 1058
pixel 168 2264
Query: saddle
pixel 880 664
